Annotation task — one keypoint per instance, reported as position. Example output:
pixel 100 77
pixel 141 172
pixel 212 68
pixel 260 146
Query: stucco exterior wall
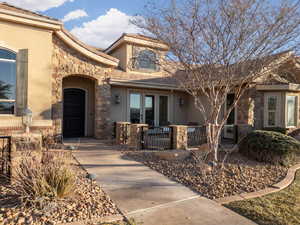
pixel 195 115
pixel 120 112
pixel 121 54
pixel 39 45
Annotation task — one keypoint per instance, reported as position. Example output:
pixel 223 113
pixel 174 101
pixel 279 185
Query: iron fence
pixel 157 138
pixel 196 136
pixel 230 134
pixel 125 133
pixel 5 156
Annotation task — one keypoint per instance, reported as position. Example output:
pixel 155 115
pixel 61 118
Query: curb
pixel 290 176
pixel 105 219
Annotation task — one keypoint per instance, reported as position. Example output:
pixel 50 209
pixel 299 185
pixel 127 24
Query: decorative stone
pixel 172 154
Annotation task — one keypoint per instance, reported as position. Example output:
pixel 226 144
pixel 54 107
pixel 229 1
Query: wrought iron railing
pixel 157 138
pixel 125 133
pixel 5 156
pixel 196 136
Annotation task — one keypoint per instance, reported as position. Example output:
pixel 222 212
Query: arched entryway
pixel 78 106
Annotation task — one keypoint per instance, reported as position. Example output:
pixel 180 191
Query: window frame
pixel 139 56
pixel 10 100
pixel 295 111
pixel 276 111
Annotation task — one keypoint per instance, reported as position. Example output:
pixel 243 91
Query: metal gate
pixel 196 136
pixel 157 138
pixel 5 156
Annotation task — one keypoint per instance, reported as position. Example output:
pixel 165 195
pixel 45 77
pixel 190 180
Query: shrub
pixel 270 146
pixel 36 180
pixel 277 129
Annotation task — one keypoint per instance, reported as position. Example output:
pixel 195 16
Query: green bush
pixel 277 129
pixel 270 146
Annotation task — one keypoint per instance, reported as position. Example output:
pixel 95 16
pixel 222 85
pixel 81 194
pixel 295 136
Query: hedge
pixel 269 146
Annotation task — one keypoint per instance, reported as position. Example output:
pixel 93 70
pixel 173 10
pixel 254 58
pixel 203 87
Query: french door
pixel 152 109
pixel 231 120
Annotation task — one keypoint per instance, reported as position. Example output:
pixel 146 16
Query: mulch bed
pixel 88 202
pixel 239 174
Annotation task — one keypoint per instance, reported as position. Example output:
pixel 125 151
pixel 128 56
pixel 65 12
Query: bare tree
pixel 222 47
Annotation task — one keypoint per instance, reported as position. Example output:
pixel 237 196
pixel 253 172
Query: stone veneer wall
pixel 259 110
pixel 245 108
pixel 67 62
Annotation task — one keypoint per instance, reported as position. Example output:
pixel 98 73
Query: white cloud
pixel 102 31
pixel 37 5
pixel 73 15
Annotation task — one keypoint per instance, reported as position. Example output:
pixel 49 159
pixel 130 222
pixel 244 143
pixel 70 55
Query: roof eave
pixel 107 61
pixel 29 20
pixel 129 39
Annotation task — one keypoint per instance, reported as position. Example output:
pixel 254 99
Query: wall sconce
pixel 117 99
pixel 181 101
pixel 27 119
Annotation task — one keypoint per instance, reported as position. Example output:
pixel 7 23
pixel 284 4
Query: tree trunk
pixel 213 137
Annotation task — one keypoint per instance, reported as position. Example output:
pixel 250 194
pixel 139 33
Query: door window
pixel 229 102
pixel 135 108
pixel 163 111
pixel 149 110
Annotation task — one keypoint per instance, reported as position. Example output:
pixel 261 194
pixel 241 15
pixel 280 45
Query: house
pixel 79 90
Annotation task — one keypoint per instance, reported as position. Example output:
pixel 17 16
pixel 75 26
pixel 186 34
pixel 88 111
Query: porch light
pixel 27 119
pixel 117 99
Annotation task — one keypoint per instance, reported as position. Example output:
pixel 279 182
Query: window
pixel 146 59
pixel 291 104
pixel 7 81
pixel 272 106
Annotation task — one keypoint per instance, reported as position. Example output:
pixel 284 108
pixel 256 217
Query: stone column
pixel 135 137
pixel 179 137
pixel 122 132
pixel 103 125
pixel 57 110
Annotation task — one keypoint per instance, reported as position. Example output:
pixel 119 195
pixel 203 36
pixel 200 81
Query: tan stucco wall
pixel 39 44
pixel 125 52
pixel 89 86
pixel 194 115
pixel 121 54
pixel 119 112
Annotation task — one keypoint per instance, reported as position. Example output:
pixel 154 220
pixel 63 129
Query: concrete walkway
pixel 147 196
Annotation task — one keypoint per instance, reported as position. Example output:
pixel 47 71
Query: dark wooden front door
pixel 74 112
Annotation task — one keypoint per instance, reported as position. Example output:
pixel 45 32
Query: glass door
pixel 149 110
pixel 163 110
pixel 229 126
pixel 135 108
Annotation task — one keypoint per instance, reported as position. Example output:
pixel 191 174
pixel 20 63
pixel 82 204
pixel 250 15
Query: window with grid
pixel 272 108
pixel 291 104
pixel 7 81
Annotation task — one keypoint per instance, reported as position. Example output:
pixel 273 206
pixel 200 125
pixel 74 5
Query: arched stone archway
pixel 68 63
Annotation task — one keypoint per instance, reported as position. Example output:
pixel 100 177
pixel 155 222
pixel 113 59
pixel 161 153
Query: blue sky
pixel 95 22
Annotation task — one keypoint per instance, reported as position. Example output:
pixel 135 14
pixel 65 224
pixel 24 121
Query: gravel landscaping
pixel 88 201
pixel 239 174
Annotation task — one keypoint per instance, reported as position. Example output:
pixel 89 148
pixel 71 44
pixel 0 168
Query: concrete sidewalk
pixel 146 195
